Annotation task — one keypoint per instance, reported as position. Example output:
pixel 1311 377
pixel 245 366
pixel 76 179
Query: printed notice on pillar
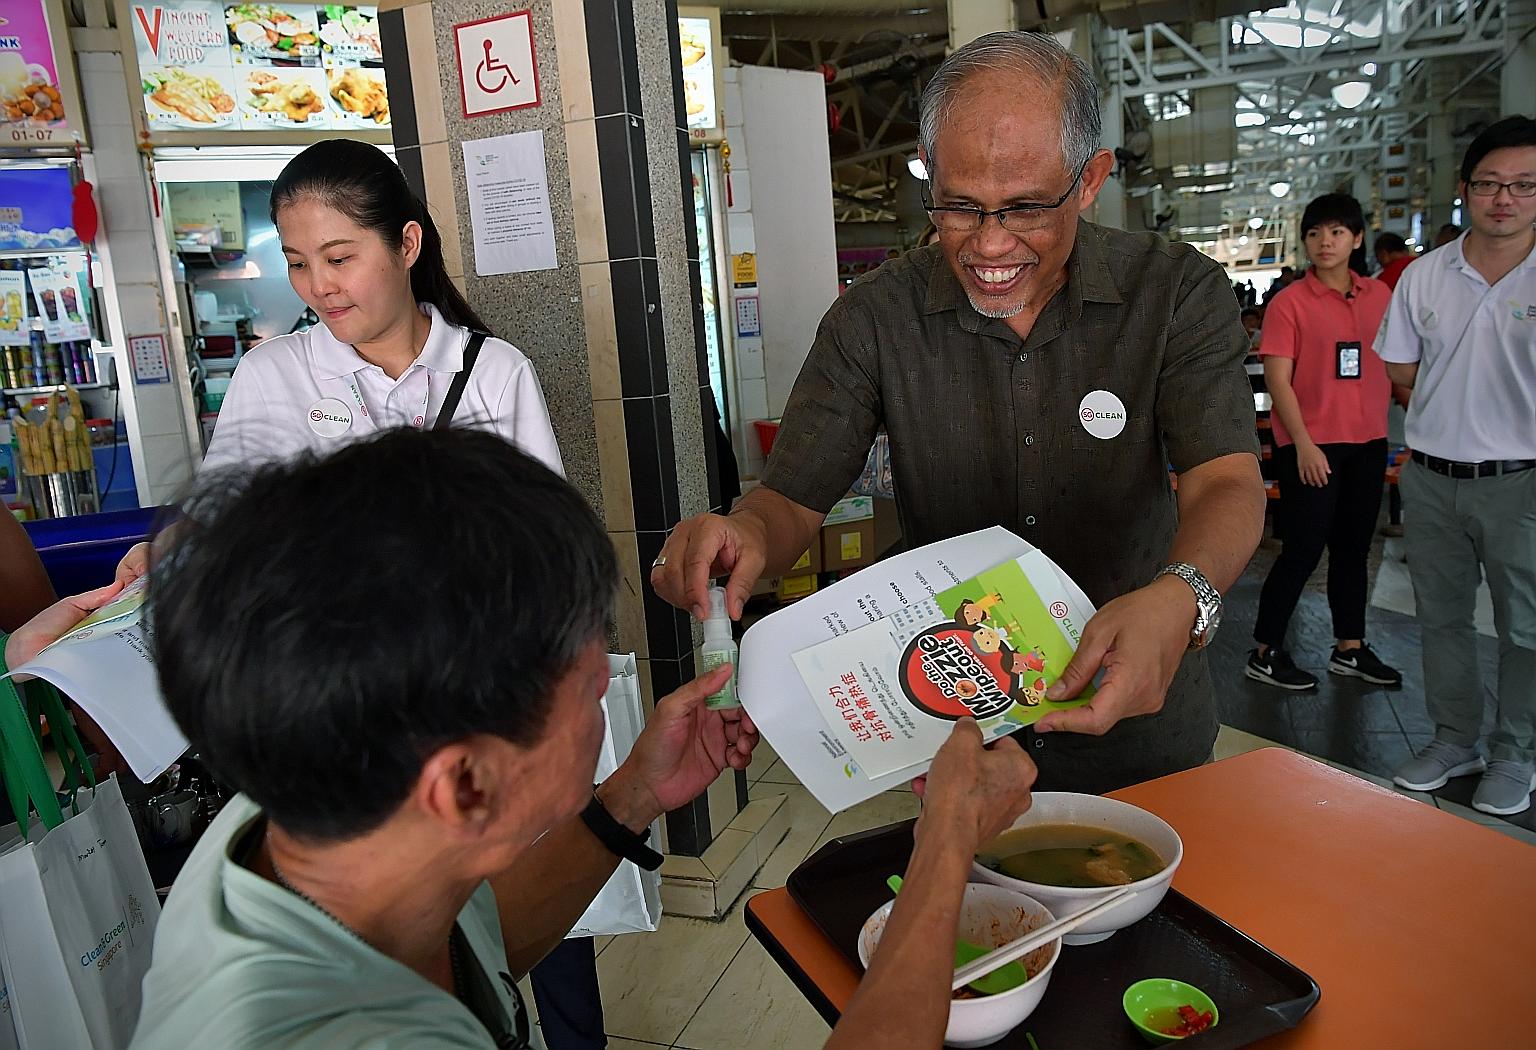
pixel 509 204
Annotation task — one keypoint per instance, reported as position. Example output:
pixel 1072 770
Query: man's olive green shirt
pixel 988 429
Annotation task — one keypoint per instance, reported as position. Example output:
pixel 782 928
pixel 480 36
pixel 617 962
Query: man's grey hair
pixel 1039 59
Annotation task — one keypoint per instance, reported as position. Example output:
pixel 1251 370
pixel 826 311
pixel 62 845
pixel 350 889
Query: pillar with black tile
pixel 615 329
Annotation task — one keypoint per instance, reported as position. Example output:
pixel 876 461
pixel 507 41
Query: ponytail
pixel 360 181
pixel 430 282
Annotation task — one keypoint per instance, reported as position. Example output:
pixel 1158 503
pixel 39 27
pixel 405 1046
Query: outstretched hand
pixel 973 790
pixel 53 623
pixel 48 627
pixel 1138 641
pixel 702 548
pixel 685 745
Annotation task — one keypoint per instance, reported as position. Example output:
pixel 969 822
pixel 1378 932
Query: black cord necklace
pixel 510 1038
pixel 455 966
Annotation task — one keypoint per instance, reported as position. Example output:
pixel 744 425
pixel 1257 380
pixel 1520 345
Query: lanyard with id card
pixel 1347 360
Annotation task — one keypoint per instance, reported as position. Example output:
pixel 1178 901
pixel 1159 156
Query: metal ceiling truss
pixel 1159 58
pixel 1419 58
pixel 878 67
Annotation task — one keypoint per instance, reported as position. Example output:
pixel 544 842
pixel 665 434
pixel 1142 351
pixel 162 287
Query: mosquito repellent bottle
pixel 719 648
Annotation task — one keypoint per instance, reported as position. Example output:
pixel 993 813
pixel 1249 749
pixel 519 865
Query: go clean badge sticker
pixel 1102 414
pixel 330 418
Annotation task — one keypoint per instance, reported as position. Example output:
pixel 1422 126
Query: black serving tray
pixel 1257 993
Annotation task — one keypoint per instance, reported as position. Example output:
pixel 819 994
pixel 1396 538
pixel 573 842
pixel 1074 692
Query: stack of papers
pixel 859 685
pixel 105 666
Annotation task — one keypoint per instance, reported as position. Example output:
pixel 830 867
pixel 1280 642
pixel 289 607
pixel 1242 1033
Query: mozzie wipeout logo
pixel 952 672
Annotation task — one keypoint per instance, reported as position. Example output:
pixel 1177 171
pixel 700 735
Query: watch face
pixel 1213 621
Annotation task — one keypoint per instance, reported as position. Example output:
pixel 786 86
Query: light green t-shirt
pixel 240 962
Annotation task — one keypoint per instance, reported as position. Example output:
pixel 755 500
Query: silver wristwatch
pixel 1207 602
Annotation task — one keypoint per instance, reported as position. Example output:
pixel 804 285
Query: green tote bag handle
pixel 25 773
pixel 44 702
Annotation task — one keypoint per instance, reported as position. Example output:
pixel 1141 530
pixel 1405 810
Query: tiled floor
pixel 710 986
pixel 1345 721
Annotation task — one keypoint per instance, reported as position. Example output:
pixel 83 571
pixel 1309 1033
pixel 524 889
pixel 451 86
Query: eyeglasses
pixel 1489 188
pixel 1018 218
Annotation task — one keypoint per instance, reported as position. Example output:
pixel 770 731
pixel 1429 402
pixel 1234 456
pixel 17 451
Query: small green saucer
pixel 1154 1004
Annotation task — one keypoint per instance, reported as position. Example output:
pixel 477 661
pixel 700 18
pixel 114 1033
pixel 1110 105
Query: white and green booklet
pixel 104 665
pixel 856 687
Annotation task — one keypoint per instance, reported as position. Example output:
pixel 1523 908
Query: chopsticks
pixel 1035 939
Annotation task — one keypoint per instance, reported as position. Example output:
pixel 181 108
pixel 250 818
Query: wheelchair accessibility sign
pixel 497 68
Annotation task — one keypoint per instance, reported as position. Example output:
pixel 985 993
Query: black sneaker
pixel 1275 668
pixel 1362 663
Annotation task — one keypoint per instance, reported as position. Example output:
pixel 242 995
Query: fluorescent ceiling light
pixel 1280 189
pixel 1351 93
pixel 1249 119
pixel 1243 240
pixel 916 166
pixel 1255 223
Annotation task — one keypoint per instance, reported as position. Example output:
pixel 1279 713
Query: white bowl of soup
pixel 1070 851
pixel 991 916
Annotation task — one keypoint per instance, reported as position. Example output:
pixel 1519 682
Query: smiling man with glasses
pixel 1035 371
pixel 1461 331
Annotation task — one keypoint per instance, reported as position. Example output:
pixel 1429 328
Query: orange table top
pixel 1419 926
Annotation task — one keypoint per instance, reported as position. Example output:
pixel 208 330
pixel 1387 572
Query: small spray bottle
pixel 719 648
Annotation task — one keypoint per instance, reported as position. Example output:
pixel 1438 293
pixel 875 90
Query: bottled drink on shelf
pixel 39 356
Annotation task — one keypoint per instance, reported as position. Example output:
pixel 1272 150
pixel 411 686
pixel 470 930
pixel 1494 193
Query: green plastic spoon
pixel 1002 979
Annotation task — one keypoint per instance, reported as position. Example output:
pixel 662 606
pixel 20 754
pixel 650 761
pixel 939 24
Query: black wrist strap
pixel 618 839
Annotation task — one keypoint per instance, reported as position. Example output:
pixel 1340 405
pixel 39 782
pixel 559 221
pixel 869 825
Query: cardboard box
pixel 793 587
pixel 850 545
pixel 808 565
pixel 851 508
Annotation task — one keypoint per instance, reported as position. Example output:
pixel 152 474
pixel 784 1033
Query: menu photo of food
pixel 273 34
pixel 29 97
pixel 358 97
pixel 350 36
pixel 276 97
pixel 181 98
pixel 694 38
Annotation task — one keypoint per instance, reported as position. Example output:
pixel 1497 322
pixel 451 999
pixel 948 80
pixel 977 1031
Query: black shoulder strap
pixel 460 381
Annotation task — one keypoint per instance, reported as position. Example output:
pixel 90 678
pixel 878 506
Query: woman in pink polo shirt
pixel 1330 396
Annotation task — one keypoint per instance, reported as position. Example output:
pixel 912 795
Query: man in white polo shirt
pixel 1461 332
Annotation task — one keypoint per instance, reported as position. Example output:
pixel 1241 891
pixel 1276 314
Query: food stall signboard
pixel 32 101
pixel 206 66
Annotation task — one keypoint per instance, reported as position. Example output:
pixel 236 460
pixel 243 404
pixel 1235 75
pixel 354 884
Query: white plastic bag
pixel 630 901
pixel 77 924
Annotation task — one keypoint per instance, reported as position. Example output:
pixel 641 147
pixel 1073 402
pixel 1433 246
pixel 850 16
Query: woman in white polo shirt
pixel 394 331
pixel 396 346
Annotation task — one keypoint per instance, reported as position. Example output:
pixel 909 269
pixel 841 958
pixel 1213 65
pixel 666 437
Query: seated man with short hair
pixel 403 682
